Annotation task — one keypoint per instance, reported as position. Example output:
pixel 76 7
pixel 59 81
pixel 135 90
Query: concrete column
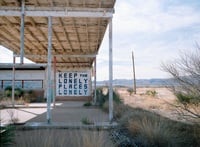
pixel 110 72
pixel 54 79
pixel 49 70
pixel 95 81
pixel 22 33
pixel 13 82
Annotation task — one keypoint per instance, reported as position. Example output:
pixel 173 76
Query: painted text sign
pixel 73 83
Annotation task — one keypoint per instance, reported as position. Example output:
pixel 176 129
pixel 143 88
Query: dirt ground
pixel 160 103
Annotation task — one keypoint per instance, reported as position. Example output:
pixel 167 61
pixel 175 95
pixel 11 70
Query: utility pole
pixel 134 80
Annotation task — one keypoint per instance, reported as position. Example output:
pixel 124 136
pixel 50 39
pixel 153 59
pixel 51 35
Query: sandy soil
pixel 160 103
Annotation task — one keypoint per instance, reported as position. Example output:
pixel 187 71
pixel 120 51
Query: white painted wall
pixel 23 75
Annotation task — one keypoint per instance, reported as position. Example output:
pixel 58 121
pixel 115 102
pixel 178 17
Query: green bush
pixel 100 96
pixel 87 104
pixel 86 121
pixel 182 98
pixel 151 93
pixel 18 92
pixel 8 93
pixel 130 90
pixel 103 97
pixel 8 88
pixel 30 92
pixel 187 98
pixel 7 136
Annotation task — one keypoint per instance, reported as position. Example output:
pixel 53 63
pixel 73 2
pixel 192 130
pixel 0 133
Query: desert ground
pixel 159 102
pixel 162 103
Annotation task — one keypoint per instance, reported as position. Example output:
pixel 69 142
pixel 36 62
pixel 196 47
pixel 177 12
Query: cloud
pixel 6 56
pixel 157 30
pixel 153 16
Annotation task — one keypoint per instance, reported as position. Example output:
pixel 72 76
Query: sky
pixel 156 30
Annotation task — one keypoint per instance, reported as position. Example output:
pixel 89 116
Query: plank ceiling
pixel 71 36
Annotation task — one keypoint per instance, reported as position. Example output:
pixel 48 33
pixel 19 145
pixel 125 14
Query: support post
pixel 1 84
pixel 13 82
pixel 49 70
pixel 54 79
pixel 22 33
pixel 110 72
pixel 134 80
pixel 95 81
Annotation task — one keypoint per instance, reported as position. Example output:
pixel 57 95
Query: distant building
pixel 27 76
pixel 73 85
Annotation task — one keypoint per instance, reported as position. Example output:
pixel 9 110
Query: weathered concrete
pixel 64 115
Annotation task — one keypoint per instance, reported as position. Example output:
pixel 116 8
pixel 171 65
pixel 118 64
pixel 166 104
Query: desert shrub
pixel 8 88
pixel 18 92
pixel 187 98
pixel 8 93
pixel 87 104
pixel 31 96
pixel 7 136
pixel 130 91
pixel 150 129
pixel 30 92
pixel 103 97
pixel 100 96
pixel 86 121
pixel 119 109
pixel 185 71
pixel 182 98
pixel 152 93
pixel 36 99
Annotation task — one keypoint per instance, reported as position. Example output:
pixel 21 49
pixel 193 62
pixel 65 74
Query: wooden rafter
pixel 87 34
pixel 98 32
pixel 78 28
pixel 76 32
pixel 5 30
pixel 38 30
pixel 65 34
pixel 8 43
pixel 29 42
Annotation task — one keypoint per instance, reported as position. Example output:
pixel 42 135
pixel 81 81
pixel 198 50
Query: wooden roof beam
pixel 98 35
pixel 10 34
pixel 57 40
pixel 87 33
pixel 17 29
pixel 38 29
pixel 9 44
pixel 66 56
pixel 58 12
pixel 65 33
pixel 76 32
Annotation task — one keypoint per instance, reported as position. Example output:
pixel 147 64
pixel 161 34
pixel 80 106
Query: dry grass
pixel 60 138
pixel 150 129
pixel 118 109
pixel 150 119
